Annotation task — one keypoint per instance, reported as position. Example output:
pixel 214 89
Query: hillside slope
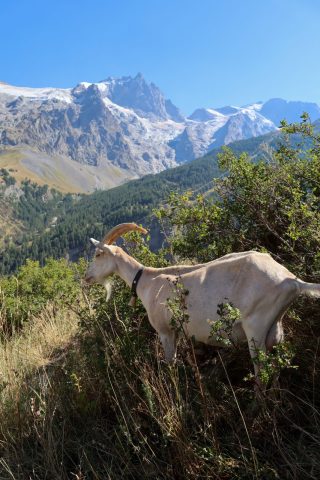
pixel 85 391
pixel 60 173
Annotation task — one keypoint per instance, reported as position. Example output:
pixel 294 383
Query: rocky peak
pixel 144 98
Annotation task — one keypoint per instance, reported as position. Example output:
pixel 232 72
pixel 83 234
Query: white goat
pixel 253 282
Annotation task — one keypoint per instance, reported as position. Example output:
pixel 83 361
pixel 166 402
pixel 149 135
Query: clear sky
pixel 201 53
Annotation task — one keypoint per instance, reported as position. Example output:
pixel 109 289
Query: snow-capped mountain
pixel 84 124
pixel 127 124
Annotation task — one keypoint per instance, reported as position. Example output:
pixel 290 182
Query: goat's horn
pixel 119 230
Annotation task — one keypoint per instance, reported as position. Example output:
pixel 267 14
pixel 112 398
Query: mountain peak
pixel 276 109
pixel 139 76
pixel 144 98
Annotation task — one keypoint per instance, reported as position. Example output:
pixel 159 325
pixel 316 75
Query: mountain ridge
pixel 127 124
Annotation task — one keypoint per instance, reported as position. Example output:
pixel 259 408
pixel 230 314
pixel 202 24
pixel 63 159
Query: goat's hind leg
pixel 274 337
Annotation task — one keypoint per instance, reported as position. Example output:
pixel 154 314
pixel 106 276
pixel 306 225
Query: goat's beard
pixel 108 286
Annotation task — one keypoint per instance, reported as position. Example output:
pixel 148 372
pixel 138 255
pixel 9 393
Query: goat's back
pixel 251 281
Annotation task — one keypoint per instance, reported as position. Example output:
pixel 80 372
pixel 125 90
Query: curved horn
pixel 119 230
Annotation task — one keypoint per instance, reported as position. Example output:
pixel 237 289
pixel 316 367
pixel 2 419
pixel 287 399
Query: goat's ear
pixel 102 246
pixel 105 248
pixel 94 242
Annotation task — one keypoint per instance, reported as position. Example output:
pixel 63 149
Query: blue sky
pixel 199 52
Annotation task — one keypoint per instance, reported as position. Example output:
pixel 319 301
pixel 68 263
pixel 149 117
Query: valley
pixel 80 217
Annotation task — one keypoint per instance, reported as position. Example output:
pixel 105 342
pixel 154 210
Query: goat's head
pixel 102 265
pixel 104 261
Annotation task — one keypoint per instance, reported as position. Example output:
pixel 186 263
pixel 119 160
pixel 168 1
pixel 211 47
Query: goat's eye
pixel 98 255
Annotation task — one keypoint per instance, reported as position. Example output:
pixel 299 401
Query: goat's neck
pixel 127 267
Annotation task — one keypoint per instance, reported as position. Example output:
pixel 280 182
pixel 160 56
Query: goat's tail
pixel 309 289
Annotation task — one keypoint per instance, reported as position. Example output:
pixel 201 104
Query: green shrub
pixel 262 206
pixel 25 294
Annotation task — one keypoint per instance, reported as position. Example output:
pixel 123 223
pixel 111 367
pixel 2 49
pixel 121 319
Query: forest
pixel 79 217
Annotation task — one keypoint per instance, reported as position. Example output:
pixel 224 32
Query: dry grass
pixel 88 396
pixel 24 360
pixel 34 347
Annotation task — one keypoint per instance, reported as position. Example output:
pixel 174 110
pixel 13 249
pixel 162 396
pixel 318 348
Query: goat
pixel 258 286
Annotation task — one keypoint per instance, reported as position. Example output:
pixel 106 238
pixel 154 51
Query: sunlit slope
pixel 60 173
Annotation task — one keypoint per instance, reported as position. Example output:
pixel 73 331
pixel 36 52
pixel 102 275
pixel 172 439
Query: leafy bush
pixel 26 294
pixel 261 206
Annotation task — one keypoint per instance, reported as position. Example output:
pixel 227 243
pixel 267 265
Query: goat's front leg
pixel 169 344
pixel 255 347
pixel 256 343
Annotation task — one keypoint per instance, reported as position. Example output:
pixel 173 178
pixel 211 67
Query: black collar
pixel 135 282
